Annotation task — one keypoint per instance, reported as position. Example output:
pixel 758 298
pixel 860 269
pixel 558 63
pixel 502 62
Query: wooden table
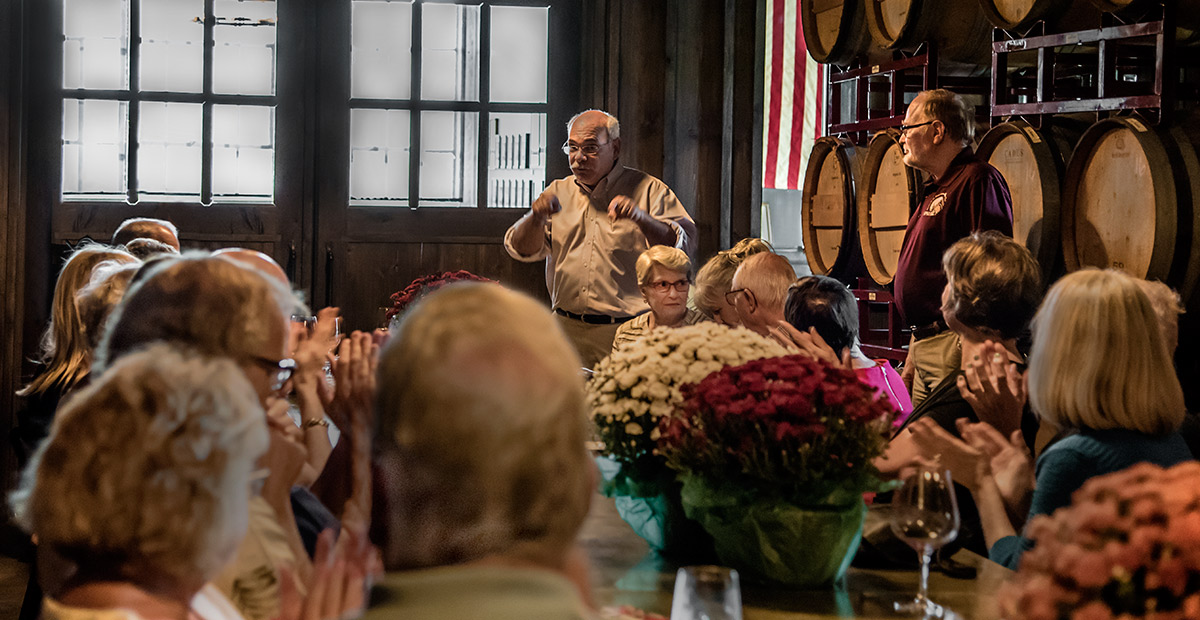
pixel 626 572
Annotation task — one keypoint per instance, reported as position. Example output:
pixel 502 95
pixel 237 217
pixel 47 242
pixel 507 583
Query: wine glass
pixel 706 593
pixel 925 515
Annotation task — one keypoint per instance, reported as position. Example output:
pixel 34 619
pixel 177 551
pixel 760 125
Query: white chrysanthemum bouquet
pixel 637 385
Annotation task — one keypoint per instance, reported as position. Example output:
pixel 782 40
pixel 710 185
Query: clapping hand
pixel 967 464
pixel 1010 462
pixel 810 344
pixel 337 589
pixel 994 388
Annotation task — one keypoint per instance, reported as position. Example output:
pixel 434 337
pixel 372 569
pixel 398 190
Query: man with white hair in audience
pixel 760 288
pixel 218 307
pixel 487 482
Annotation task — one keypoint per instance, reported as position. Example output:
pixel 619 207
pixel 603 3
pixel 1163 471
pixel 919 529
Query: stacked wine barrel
pixel 1116 192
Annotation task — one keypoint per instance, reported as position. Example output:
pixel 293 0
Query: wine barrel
pixel 1130 202
pixel 889 193
pixel 1187 15
pixel 834 30
pixel 1032 162
pixel 1062 15
pixel 829 210
pixel 962 33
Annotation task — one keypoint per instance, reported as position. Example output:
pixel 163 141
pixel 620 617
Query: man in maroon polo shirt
pixel 965 194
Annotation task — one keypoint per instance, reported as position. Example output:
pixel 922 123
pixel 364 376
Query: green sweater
pixel 1067 464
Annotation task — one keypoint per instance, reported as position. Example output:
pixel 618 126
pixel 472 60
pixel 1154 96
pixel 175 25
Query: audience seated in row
pixel 1100 373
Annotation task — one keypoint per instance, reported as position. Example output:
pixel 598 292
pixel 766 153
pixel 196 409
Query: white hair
pixel 612 125
pixel 145 473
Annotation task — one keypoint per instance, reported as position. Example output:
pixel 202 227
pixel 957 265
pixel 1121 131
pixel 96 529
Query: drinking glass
pixel 925 515
pixel 706 593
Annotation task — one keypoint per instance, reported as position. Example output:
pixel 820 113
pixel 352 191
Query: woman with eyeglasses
pixel 663 275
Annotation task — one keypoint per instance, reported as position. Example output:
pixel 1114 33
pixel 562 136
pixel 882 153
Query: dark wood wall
pixel 684 76
pixel 12 219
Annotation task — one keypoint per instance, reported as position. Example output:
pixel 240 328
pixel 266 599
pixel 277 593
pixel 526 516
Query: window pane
pixel 244 52
pixel 516 159
pixel 96 44
pixel 172 54
pixel 243 152
pixel 519 48
pixel 381 51
pixel 449 158
pixel 450 52
pixel 379 152
pixel 95 145
pixel 169 151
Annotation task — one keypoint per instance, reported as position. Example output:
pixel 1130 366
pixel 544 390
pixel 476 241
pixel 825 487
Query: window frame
pixel 133 95
pixel 416 105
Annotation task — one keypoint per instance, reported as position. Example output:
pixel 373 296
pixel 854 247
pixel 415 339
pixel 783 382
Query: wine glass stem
pixel 926 556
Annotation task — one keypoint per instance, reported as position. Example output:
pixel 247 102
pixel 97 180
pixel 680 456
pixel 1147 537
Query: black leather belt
pixel 592 319
pixel 928 331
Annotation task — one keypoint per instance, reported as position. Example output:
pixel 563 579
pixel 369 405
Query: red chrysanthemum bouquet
pixel 774 456
pixel 1128 547
pixel 424 285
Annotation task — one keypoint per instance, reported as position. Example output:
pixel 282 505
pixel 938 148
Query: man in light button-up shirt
pixel 590 229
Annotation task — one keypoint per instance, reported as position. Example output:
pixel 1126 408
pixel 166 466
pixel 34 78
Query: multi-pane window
pixel 431 82
pixel 169 100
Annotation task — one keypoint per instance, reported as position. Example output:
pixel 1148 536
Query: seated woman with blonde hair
pixel 664 277
pixel 1099 370
pixel 716 278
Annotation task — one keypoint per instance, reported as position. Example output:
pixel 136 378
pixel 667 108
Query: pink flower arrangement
pixel 790 428
pixel 425 285
pixel 1128 547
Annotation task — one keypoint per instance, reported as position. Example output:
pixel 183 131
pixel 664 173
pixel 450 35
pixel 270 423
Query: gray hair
pixel 210 303
pixel 144 227
pixel 481 406
pixel 145 473
pixel 612 125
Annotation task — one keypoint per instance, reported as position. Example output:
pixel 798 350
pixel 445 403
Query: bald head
pixel 146 228
pixel 766 276
pixel 256 260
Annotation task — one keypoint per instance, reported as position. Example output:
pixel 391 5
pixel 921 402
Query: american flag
pixel 793 100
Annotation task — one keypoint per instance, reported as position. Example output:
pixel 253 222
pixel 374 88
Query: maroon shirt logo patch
pixel 935 205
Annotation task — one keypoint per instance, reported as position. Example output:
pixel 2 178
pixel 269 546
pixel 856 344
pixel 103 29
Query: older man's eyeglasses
pixel 587 149
pixel 731 296
pixel 280 370
pixel 905 128
pixel 663 286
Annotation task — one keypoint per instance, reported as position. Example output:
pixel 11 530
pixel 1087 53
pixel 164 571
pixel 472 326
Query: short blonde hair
pixel 1098 360
pixel 481 406
pixel 145 473
pixel 716 276
pixel 97 300
pixel 213 304
pixel 768 275
pixel 674 259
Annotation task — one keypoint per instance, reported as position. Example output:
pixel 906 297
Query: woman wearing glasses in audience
pixel 663 277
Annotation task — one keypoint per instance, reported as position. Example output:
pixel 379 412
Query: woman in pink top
pixel 826 305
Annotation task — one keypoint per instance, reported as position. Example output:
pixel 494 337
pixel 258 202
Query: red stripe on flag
pixel 798 104
pixel 772 158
